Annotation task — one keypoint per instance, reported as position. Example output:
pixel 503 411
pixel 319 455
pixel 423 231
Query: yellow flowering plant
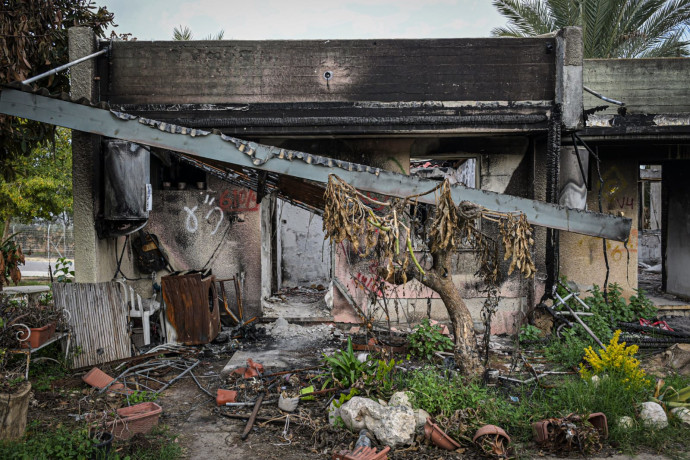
pixel 616 361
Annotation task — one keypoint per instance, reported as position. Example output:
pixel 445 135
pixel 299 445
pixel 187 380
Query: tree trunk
pixel 439 279
pixel 6 229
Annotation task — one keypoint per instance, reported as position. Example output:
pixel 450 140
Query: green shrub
pixel 568 352
pixel 343 367
pixel 428 339
pixel 442 392
pixel 607 315
pixel 62 443
pixel 529 333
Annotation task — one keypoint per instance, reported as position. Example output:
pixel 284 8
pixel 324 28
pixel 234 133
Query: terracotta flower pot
pixel 13 409
pixel 438 436
pixel 39 336
pixel 491 429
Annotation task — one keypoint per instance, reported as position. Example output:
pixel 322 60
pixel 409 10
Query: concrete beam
pixel 298 164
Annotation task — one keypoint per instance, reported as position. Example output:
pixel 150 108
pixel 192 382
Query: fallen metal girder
pixel 315 168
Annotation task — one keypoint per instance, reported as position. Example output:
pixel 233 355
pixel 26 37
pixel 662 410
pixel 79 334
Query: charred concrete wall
pixel 304 254
pixel 217 228
pixel 582 257
pixel 677 227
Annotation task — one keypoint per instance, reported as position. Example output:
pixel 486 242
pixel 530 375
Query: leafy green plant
pixel 442 392
pixel 428 339
pixel 606 316
pixel 40 444
pixel 11 257
pixel 529 333
pixel 382 379
pixel 568 352
pixel 63 270
pixel 343 367
pixel 141 396
pixel 343 398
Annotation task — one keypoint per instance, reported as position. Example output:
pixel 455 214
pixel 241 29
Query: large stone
pixel 683 414
pixel 393 426
pixel 653 415
pixel 400 399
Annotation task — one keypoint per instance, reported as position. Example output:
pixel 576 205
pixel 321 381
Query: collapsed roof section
pixel 263 167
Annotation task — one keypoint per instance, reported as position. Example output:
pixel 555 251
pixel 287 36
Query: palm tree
pixel 610 28
pixel 185 33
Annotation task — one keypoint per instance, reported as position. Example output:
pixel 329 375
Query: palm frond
pixel 182 33
pixel 526 18
pixel 610 28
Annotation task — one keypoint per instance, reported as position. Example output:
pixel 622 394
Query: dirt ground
pixel 205 433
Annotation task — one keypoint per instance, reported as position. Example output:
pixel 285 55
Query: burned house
pixel 495 115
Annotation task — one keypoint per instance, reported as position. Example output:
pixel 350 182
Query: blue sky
pixel 306 19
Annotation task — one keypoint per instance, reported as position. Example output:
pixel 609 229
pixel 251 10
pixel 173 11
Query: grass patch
pixel 442 394
pixel 62 442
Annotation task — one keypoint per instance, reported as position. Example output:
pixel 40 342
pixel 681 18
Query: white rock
pixel 355 410
pixel 400 398
pixel 421 415
pixel 393 426
pixel 653 415
pixel 333 413
pixel 682 413
pixel 626 422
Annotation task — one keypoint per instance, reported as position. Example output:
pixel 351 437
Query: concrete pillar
pixel 89 251
pixel 569 59
pixel 268 204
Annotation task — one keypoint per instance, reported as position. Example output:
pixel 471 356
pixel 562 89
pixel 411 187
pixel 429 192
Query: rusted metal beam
pixel 315 168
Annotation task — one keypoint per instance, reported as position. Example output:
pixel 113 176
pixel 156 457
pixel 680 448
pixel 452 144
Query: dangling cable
pixel 601 188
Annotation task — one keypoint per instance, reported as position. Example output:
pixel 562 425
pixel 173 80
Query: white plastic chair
pixel 139 308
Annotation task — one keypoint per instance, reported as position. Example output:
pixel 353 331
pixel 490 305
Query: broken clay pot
pixel 489 430
pixel 225 396
pixel 252 370
pixel 540 430
pixel 438 436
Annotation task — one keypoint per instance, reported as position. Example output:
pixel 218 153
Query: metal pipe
pixel 65 66
pixel 582 323
pixel 602 97
pixel 179 376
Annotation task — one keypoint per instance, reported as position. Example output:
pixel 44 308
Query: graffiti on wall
pixel 238 200
pixel 213 215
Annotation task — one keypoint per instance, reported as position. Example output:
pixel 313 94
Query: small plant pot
pixel 140 418
pixel 39 336
pixel 438 436
pixel 101 450
pixel 13 410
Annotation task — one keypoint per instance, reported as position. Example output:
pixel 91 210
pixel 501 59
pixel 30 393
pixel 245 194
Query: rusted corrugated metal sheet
pixel 98 320
pixel 192 307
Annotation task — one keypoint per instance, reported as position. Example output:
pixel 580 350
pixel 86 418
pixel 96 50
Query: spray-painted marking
pixel 242 200
pixel 208 214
